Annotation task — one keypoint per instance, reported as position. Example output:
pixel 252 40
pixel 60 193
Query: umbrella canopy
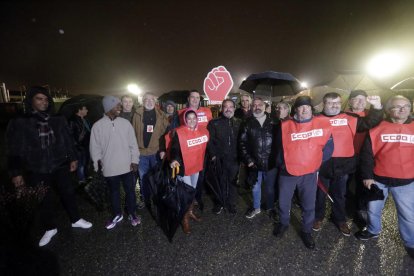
pixel 177 96
pixel 92 102
pixel 405 88
pixel 271 84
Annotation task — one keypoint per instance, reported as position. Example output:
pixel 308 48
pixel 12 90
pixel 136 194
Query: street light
pixel 386 64
pixel 134 89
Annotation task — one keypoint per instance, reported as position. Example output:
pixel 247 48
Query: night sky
pixel 101 46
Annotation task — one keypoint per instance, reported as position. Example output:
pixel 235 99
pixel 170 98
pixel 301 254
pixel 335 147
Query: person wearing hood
pixel 302 144
pixel 256 150
pixel 223 148
pixel 114 151
pixel 41 151
pixel 335 172
pixel 188 148
pixel 387 162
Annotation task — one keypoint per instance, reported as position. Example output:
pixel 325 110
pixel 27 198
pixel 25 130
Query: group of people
pixel 295 153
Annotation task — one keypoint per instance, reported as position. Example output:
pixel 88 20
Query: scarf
pixel 46 134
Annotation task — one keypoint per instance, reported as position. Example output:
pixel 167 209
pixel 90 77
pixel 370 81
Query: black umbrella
pixel 272 84
pixel 92 102
pixel 217 180
pixel 173 199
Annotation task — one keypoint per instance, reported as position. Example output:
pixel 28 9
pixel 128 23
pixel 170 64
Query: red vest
pixel 393 149
pixel 359 136
pixel 193 146
pixel 203 114
pixel 303 144
pixel 343 132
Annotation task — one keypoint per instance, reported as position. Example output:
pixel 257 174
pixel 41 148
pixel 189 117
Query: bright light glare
pixel 304 84
pixel 385 64
pixel 133 88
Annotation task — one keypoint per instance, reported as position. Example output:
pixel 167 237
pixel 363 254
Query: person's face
pixel 282 111
pixel 332 106
pixel 114 112
pixel 83 111
pixel 258 106
pixel 268 109
pixel 304 112
pixel 40 102
pixel 194 100
pixel 358 103
pixel 149 102
pixel 191 120
pixel 228 109
pixel 245 102
pixel 170 109
pixel 127 104
pixel 400 110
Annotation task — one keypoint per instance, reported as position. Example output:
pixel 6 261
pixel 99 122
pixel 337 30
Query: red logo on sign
pixel 218 84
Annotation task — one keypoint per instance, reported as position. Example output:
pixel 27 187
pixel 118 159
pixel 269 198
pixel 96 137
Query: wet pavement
pixel 221 245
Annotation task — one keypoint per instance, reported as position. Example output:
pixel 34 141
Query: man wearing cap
pixel 334 173
pixel 357 103
pixel 41 154
pixel 149 124
pixel 387 161
pixel 114 150
pixel 302 143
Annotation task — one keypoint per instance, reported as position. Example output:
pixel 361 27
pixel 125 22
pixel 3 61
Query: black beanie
pixel 355 93
pixel 302 100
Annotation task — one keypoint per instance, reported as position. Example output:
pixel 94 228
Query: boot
pixel 191 213
pixel 185 223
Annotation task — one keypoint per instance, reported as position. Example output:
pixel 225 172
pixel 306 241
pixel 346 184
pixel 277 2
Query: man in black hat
pixel 334 173
pixel 41 151
pixel 387 162
pixel 302 142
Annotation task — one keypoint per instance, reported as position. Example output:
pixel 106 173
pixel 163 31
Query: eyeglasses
pixel 400 107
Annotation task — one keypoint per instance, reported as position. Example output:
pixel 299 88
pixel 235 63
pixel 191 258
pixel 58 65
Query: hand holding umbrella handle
pixel 175 171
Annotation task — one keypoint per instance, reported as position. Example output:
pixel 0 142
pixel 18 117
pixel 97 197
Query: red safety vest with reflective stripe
pixel 393 149
pixel 303 144
pixel 343 132
pixel 203 114
pixel 193 144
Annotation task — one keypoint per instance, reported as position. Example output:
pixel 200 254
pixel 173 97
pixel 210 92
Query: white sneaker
pixel 82 224
pixel 47 237
pixel 252 213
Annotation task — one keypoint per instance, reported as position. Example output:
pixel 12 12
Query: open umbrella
pixel 271 84
pixel 92 102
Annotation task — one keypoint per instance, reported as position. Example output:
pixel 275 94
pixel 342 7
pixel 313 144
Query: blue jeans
pixel 404 202
pixel 146 163
pixel 269 178
pixel 129 188
pixel 306 185
pixel 191 180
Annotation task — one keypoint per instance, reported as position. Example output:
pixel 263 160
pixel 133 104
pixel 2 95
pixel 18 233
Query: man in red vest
pixel 334 173
pixel 302 143
pixel 387 162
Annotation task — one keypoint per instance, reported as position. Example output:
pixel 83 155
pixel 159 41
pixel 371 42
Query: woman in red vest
pixel 188 148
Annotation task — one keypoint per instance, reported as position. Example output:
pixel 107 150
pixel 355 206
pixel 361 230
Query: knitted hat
pixel 355 93
pixel 109 102
pixel 302 100
pixel 169 102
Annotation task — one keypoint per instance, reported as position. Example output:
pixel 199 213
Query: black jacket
pixel 223 138
pixel 340 166
pixel 24 150
pixel 367 163
pixel 255 143
pixel 80 133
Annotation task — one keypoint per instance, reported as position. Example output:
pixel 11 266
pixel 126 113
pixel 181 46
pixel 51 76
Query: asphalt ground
pixel 222 244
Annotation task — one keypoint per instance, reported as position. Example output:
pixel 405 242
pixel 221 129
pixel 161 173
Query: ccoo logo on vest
pixel 397 138
pixel 217 84
pixel 307 134
pixel 339 122
pixel 197 141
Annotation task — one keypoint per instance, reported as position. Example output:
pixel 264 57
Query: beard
pixel 258 113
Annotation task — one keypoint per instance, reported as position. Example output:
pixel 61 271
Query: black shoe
pixel 271 213
pixel 364 235
pixel 280 230
pixel 308 240
pixel 232 210
pixel 217 209
pixel 410 251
